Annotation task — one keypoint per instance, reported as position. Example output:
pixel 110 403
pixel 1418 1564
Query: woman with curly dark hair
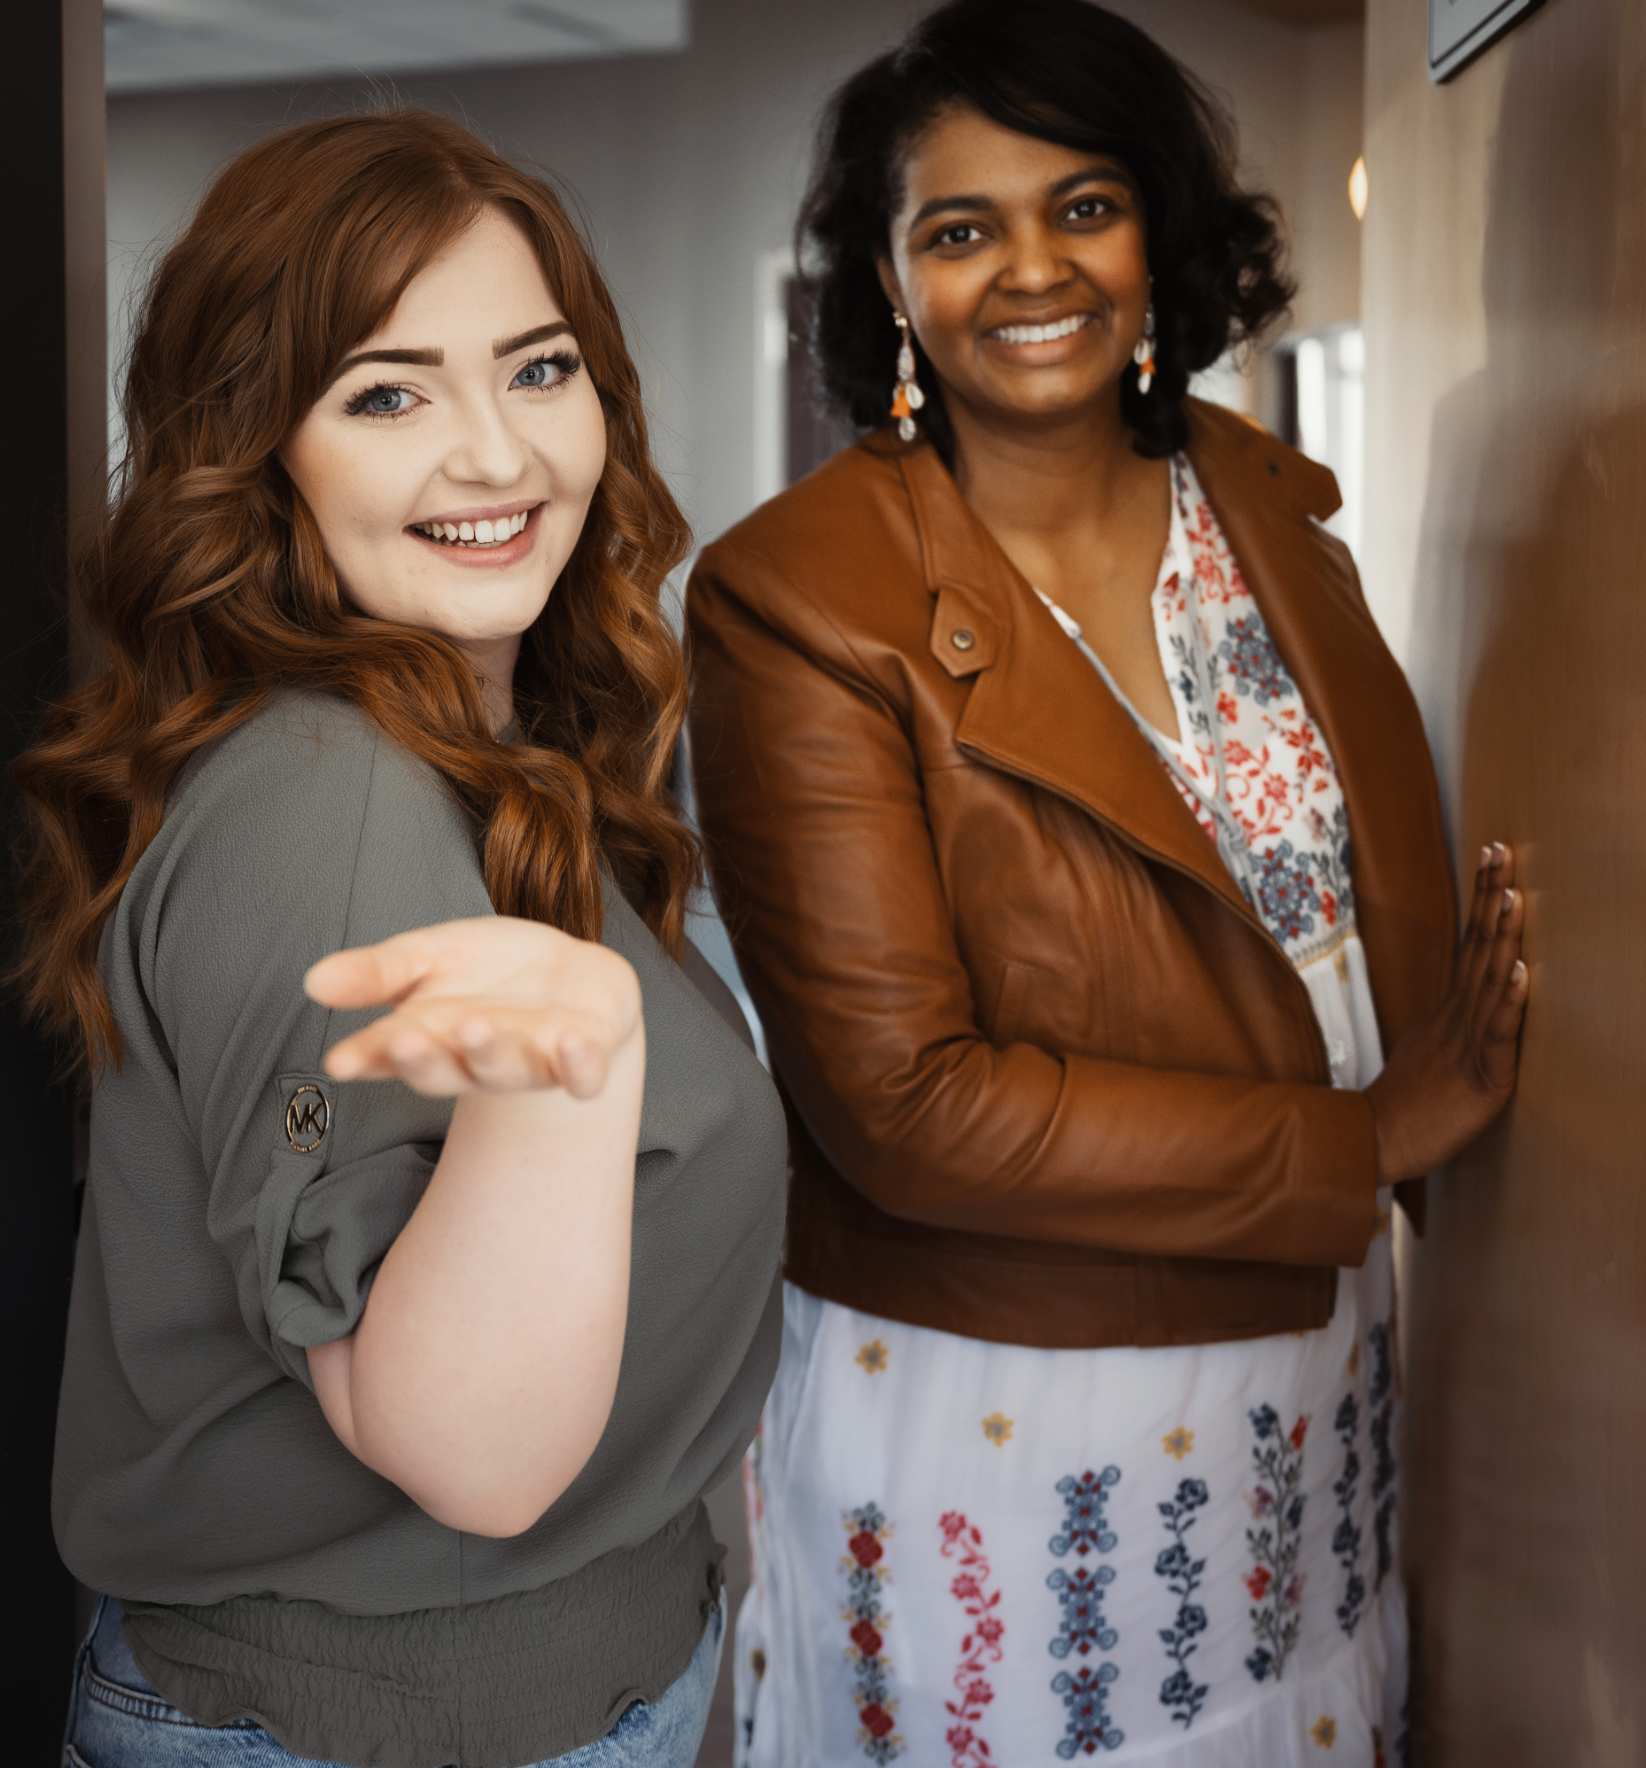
pixel 404 1344
pixel 1082 852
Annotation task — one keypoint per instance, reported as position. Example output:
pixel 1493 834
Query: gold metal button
pixel 962 638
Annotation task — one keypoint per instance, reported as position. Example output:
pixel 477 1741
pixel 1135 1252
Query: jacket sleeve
pixel 810 800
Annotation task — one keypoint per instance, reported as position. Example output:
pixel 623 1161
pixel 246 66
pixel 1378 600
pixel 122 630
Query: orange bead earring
pixel 907 398
pixel 1143 353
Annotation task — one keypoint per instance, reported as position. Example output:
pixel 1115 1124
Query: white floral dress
pixel 974 1554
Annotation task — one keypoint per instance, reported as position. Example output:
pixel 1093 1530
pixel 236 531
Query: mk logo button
pixel 306 1119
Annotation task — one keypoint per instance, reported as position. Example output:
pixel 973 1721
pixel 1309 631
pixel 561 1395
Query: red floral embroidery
pixel 876 1720
pixel 980 1648
pixel 1299 1431
pixel 1258 1581
pixel 864 1548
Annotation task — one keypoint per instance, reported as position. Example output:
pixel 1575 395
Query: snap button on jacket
pixel 1049 1080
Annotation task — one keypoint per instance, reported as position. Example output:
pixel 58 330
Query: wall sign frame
pixel 1460 29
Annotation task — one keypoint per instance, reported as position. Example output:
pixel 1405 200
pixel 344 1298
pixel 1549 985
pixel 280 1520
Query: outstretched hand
pixel 492 1004
pixel 1451 1075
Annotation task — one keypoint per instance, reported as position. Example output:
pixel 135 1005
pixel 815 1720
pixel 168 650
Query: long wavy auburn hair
pixel 207 588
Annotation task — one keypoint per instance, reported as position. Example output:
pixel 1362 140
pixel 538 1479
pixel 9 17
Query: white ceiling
pixel 153 44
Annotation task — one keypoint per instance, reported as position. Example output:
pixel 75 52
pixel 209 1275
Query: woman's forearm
pixel 483 1370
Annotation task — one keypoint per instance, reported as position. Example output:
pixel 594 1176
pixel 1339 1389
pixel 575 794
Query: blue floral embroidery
pixel 1331 859
pixel 1083 1628
pixel 1086 1703
pixel 1286 895
pixel 1380 1395
pixel 1346 1537
pixel 1274 1582
pixel 1183 1574
pixel 1252 662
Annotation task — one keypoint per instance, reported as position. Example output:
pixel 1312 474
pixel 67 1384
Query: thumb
pixel 371 975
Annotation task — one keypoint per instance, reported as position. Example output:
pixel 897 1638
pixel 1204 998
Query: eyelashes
pixel 565 364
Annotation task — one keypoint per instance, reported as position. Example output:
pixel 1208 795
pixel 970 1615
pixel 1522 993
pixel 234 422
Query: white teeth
pixel 492 533
pixel 1041 334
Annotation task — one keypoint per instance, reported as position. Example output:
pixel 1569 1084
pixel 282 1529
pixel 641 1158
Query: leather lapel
pixel 1037 708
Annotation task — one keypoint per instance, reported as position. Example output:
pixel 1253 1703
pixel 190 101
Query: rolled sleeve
pixel 307 834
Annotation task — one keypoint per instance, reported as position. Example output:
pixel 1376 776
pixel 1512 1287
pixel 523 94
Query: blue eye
pixel 544 373
pixel 383 400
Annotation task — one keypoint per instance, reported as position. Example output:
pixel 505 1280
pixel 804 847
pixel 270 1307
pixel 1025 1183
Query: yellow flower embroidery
pixel 1324 1732
pixel 1178 1443
pixel 757 1663
pixel 997 1427
pixel 873 1356
pixel 1354 1361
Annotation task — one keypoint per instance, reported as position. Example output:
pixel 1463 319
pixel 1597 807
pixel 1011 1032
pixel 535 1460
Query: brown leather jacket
pixel 1049 1079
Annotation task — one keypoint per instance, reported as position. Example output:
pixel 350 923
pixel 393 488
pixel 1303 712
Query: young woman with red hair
pixel 427 1274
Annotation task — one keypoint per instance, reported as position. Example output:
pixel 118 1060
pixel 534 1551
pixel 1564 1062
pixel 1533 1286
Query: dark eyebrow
pixel 421 358
pixel 431 358
pixel 1101 171
pixel 537 335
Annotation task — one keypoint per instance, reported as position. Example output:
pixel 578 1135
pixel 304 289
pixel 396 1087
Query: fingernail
pixel 1485 857
pixel 1508 900
pixel 1499 853
pixel 1519 973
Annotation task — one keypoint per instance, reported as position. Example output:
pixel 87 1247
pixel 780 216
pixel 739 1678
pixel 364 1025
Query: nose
pixel 1034 263
pixel 485 448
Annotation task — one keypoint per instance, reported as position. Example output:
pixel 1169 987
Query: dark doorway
pixel 52 126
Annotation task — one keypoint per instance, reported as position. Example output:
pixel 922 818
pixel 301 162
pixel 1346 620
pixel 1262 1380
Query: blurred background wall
pixel 1505 310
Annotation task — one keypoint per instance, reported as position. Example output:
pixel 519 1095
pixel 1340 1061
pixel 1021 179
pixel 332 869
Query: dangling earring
pixel 908 398
pixel 1143 353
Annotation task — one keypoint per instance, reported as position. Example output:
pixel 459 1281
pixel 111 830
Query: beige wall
pixel 1329 108
pixel 1504 300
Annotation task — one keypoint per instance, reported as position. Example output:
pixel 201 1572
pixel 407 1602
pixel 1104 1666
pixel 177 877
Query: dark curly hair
pixel 1070 72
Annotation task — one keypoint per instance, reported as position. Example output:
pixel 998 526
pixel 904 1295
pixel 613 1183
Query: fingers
pixel 448 1047
pixel 1493 875
pixel 371 975
pixel 383 974
pixel 1498 1006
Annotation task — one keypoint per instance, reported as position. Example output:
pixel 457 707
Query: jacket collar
pixel 1037 710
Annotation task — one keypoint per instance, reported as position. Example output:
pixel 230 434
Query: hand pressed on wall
pixel 1451 1074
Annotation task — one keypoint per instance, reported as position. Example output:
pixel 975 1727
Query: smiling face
pixel 1022 267
pixel 450 464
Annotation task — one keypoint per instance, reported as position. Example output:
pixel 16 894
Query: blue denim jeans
pixel 117 1720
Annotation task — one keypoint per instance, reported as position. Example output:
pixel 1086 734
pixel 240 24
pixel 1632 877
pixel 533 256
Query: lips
pixel 501 539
